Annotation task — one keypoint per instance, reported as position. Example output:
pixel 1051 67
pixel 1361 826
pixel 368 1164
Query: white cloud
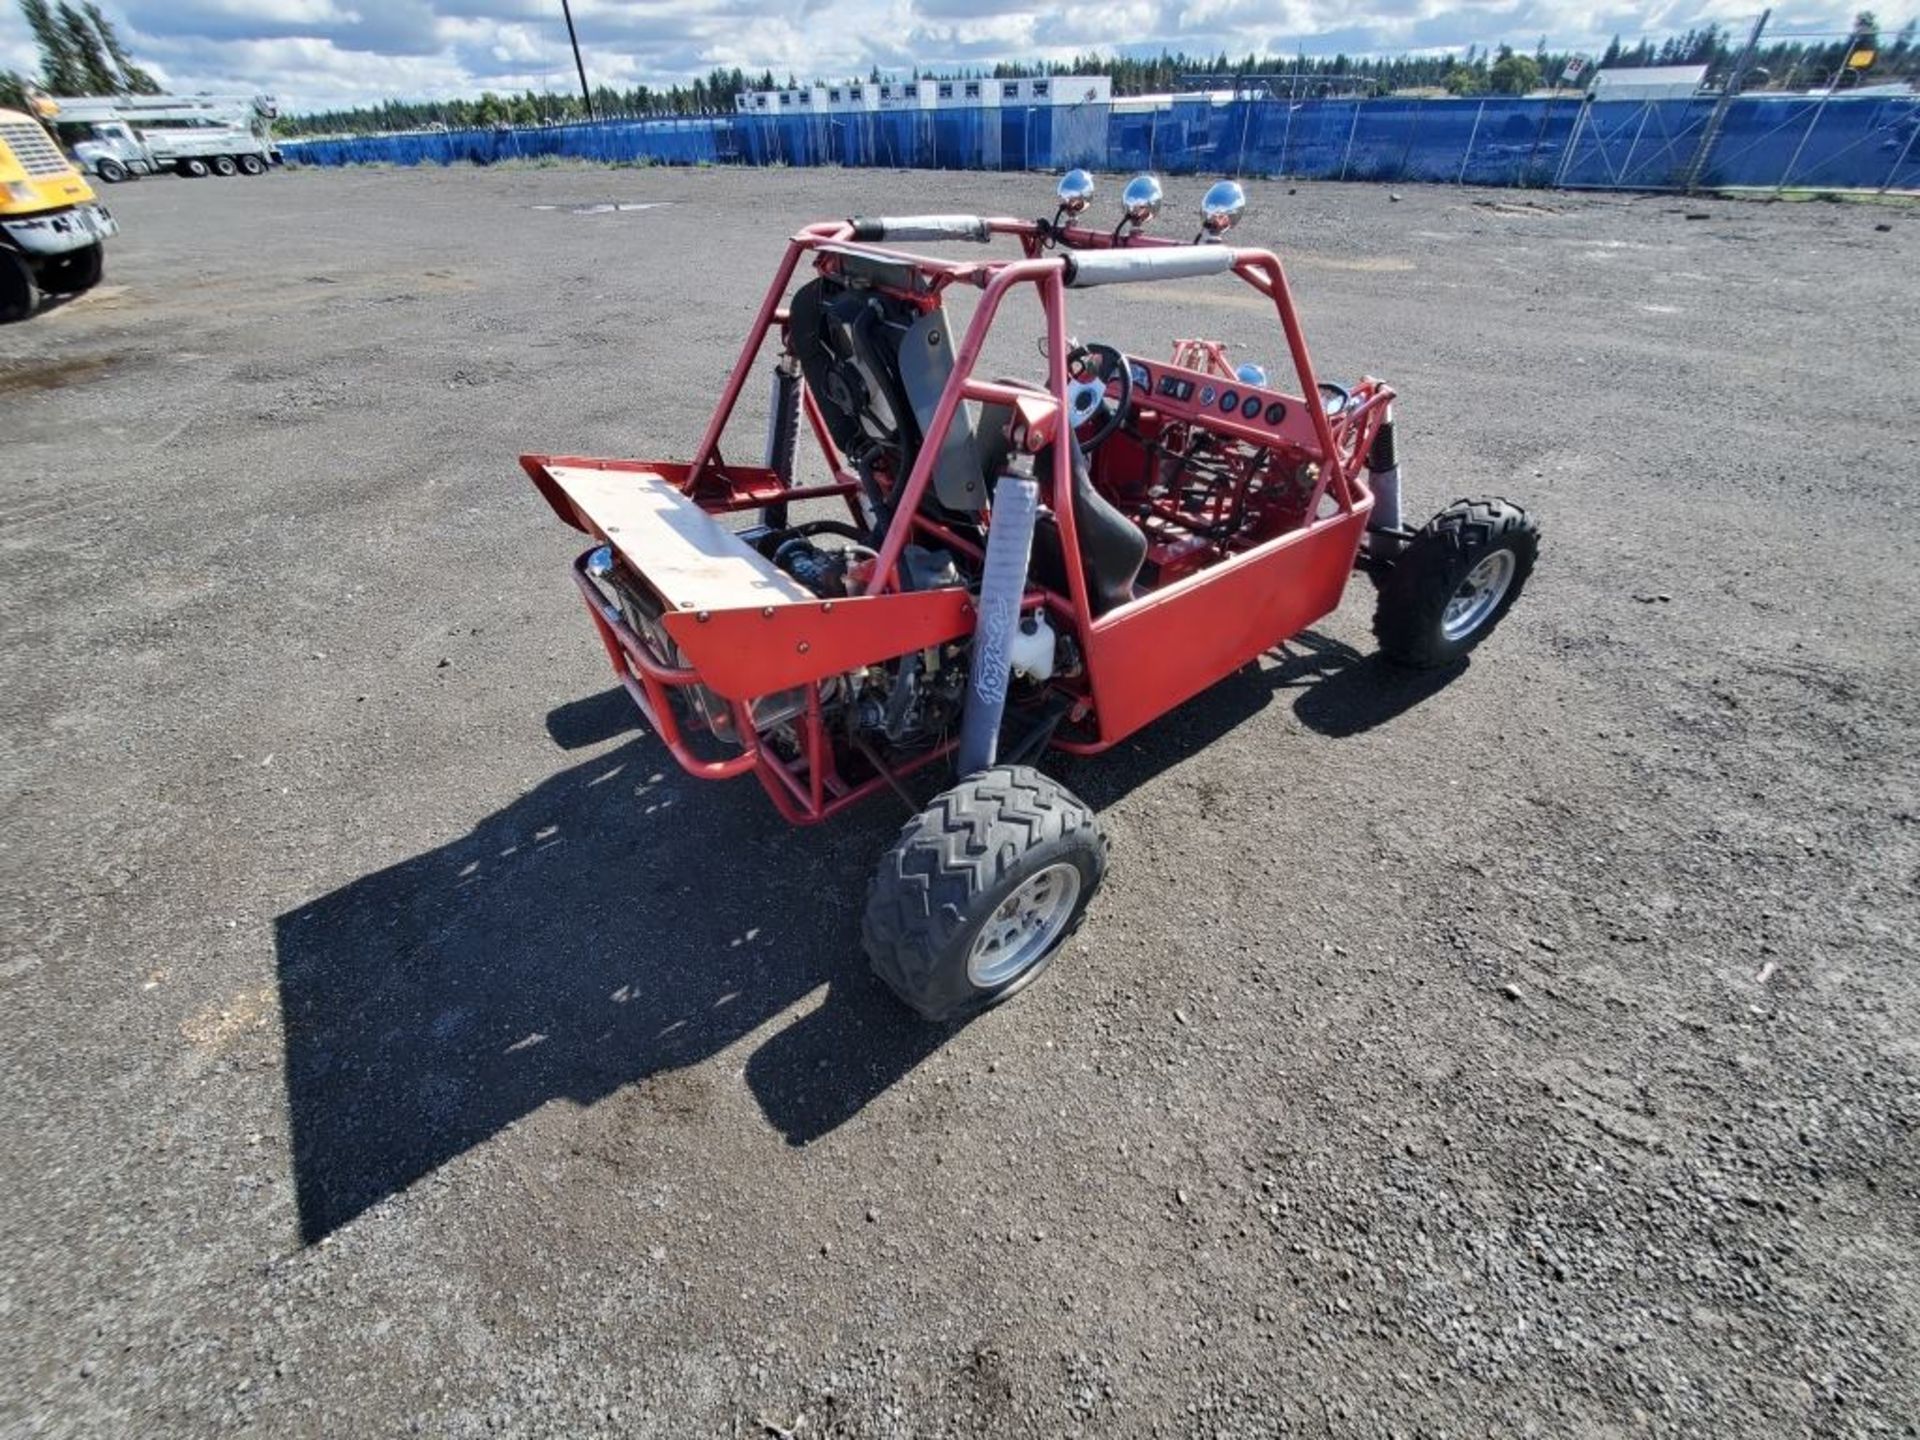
pixel 324 53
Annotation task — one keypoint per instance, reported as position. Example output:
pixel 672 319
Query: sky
pixel 315 54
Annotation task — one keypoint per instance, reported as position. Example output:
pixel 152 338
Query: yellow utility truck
pixel 52 229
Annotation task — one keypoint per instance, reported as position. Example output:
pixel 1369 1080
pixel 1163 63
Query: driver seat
pixel 878 367
pixel 1112 547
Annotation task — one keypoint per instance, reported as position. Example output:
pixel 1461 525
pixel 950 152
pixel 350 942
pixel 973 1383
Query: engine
pixel 909 702
pixel 824 572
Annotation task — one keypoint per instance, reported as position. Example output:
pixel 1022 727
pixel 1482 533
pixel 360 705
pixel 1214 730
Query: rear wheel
pixel 194 169
pixel 252 165
pixel 18 293
pixel 111 171
pixel 982 887
pixel 1455 580
pixel 73 272
pixel 223 165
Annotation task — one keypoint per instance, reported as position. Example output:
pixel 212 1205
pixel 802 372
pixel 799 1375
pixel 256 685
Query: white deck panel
pixel 694 561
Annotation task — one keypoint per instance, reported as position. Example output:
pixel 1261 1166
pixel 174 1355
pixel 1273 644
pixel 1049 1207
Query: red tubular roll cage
pixel 810 789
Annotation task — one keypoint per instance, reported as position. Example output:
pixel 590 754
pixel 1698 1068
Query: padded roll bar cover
pixel 1166 262
pixel 919 227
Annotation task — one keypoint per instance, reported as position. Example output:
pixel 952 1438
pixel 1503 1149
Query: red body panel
pixel 743 654
pixel 1148 657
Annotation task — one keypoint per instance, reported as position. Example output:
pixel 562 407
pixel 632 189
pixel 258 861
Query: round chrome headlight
pixel 1223 205
pixel 1141 199
pixel 1075 191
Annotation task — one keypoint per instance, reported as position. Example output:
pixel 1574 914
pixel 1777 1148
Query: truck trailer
pixel 116 137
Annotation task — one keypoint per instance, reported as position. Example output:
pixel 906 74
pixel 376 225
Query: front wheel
pixel 981 888
pixel 74 272
pixel 111 171
pixel 1455 580
pixel 18 293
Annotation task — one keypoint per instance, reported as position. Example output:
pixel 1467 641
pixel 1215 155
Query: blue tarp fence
pixel 1850 143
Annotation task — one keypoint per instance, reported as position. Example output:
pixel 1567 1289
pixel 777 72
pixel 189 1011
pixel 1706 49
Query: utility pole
pixel 586 96
pixel 1710 135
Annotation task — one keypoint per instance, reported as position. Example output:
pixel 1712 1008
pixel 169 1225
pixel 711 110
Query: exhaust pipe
pixel 1003 580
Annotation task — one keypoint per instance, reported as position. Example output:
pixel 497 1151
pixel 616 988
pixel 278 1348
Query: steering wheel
pixel 1090 369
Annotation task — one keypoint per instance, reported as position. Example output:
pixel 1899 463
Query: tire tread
pixel 1426 573
pixel 924 896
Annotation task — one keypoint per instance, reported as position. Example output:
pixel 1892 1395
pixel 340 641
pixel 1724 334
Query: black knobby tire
pixel 252 165
pixel 18 293
pixel 112 171
pixel 75 271
pixel 224 167
pixel 956 864
pixel 1410 619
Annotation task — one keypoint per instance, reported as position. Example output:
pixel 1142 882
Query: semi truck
pixel 52 227
pixel 116 137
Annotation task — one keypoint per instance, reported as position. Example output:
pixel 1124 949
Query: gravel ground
pixel 398 1041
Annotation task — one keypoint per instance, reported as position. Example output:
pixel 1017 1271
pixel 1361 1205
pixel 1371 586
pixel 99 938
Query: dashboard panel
pixel 1253 413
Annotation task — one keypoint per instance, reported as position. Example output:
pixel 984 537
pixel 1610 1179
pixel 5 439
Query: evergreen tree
pixel 80 51
pixel 90 58
pixel 133 79
pixel 59 70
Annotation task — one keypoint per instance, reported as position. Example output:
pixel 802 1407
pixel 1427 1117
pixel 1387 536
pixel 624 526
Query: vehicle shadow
pixel 608 925
pixel 620 920
pixel 1338 692
pixel 1345 692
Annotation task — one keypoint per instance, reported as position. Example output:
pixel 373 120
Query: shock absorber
pixel 783 430
pixel 1003 581
pixel 1383 478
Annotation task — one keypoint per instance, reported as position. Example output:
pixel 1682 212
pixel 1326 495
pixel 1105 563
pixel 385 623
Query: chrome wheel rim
pixel 1024 927
pixel 1479 595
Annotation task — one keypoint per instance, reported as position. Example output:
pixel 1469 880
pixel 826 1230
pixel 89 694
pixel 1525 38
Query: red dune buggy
pixel 1003 568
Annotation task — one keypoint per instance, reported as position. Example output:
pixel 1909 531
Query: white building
pixel 852 98
pixel 1080 89
pixel 1648 82
pixel 961 94
pixel 1055 90
pixel 927 93
pixel 904 94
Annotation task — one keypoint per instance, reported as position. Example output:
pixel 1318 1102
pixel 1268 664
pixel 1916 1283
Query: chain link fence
pixel 1757 141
